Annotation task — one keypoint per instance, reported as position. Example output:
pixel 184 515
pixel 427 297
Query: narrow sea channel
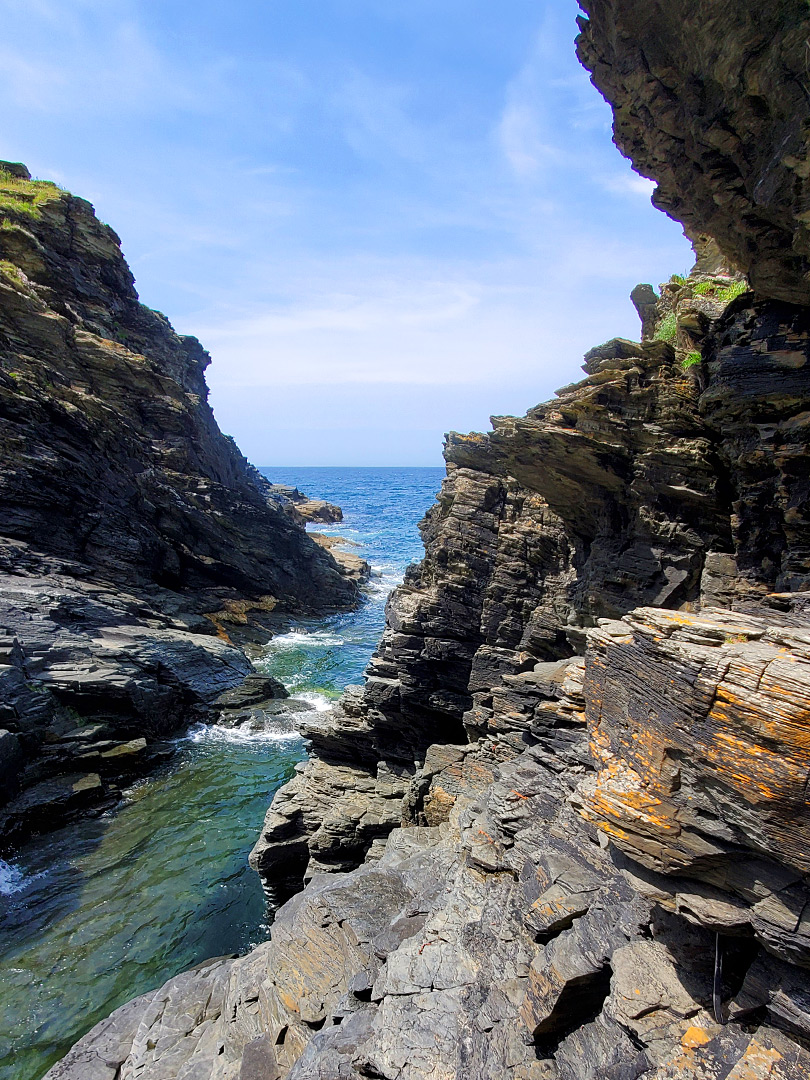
pixel 109 908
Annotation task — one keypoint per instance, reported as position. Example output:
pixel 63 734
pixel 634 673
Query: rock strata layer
pixel 111 455
pixel 710 100
pixel 560 831
pixel 133 534
pixel 645 484
pixel 559 915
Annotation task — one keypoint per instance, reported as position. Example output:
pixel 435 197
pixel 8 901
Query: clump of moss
pixel 13 273
pixel 722 296
pixel 732 291
pixel 690 360
pixel 667 328
pixel 25 197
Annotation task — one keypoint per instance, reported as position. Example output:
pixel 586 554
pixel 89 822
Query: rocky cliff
pixel 561 832
pixel 133 534
pixel 712 101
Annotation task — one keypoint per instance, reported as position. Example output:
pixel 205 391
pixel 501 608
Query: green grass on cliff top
pixel 723 295
pixel 25 197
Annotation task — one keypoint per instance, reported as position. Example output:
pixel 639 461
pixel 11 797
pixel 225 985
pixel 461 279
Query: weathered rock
pixel 352 566
pixel 552 899
pixel 699 728
pixel 133 534
pixel 92 680
pixel 255 689
pixel 600 869
pixel 170 1023
pixel 11 761
pixel 302 508
pixel 708 100
pixel 111 455
pixel 645 301
pixel 504 943
pixel 319 510
pixel 458 621
pixel 756 403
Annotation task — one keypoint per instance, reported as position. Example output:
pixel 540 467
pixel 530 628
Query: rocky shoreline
pixel 564 795
pixel 562 830
pixel 139 551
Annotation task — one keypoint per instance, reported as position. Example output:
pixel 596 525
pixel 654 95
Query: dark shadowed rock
pixel 709 100
pixel 111 455
pixel 134 537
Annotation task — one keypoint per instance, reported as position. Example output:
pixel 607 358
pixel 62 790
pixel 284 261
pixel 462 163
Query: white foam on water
pixel 380 567
pixel 243 735
pixel 381 584
pixel 13 879
pixel 318 702
pixel 309 638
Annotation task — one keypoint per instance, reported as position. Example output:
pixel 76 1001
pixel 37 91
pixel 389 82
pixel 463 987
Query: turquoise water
pixel 111 907
pixel 381 508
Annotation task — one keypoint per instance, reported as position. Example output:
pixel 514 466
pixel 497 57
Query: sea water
pixel 110 907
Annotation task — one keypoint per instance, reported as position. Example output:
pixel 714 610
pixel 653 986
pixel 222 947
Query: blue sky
pixel 384 219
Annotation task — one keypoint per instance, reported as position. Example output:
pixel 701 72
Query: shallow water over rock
pixel 104 909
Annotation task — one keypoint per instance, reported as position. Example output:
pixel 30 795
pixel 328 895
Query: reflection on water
pixel 110 907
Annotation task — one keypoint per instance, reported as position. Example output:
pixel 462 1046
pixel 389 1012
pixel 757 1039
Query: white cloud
pixel 99 59
pixel 628 183
pixel 375 118
pixel 521 135
pixel 398 321
pixel 544 104
pixel 321 216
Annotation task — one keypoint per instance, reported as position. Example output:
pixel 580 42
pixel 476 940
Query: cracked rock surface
pixel 711 100
pixel 515 938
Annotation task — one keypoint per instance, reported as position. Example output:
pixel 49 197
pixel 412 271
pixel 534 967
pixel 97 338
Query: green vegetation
pixel 690 360
pixel 12 271
pixel 705 288
pixel 722 296
pixel 732 291
pixel 667 328
pixel 679 279
pixel 25 197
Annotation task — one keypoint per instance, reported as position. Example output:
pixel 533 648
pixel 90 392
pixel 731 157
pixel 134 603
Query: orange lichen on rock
pixel 695 1036
pixel 691 713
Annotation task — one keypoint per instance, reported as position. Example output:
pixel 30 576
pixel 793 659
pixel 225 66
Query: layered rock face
pixel 646 483
pixel 710 100
pixel 133 535
pixel 563 913
pixel 562 831
pixel 111 455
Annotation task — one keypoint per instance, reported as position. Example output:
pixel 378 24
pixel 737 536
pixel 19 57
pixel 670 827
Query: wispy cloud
pixel 628 183
pixel 375 119
pixel 127 73
pixel 408 200
pixel 546 102
pixel 523 140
